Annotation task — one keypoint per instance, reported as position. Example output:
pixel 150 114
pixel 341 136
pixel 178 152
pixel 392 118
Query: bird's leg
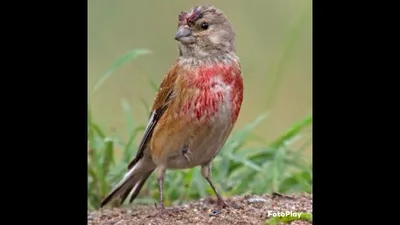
pixel 161 209
pixel 160 179
pixel 160 173
pixel 160 189
pixel 205 171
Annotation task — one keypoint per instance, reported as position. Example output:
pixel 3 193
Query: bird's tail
pixel 132 182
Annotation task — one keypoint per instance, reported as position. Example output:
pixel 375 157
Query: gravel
pixel 248 209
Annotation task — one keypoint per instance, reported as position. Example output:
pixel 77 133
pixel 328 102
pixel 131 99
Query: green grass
pixel 270 167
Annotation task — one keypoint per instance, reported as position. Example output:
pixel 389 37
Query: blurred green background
pixel 274 44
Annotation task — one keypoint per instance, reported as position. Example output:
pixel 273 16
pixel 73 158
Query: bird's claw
pixel 221 203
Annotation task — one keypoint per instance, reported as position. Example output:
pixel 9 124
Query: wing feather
pixel 164 95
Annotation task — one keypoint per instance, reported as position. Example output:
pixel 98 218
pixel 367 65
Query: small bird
pixel 196 106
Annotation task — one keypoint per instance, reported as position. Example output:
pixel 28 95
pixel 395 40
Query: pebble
pixel 215 212
pixel 256 199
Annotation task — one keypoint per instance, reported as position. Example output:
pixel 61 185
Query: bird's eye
pixel 204 25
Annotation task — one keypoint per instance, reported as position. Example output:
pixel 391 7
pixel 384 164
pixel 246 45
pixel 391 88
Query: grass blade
pixel 129 148
pixel 129 56
pixel 237 139
pixel 289 45
pixel 145 105
pixel 98 130
pixel 153 85
pixel 292 132
pixel 128 116
pixel 91 135
pixel 127 155
pixel 245 162
pixel 108 156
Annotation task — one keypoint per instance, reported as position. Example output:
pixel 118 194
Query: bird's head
pixel 204 31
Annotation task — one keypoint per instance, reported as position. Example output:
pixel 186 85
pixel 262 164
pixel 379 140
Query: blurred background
pixel 274 43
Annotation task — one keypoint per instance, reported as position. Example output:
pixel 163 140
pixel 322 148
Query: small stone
pixel 215 212
pixel 256 199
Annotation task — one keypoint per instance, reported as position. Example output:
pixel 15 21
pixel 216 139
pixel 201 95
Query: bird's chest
pixel 208 99
pixel 207 106
pixel 206 115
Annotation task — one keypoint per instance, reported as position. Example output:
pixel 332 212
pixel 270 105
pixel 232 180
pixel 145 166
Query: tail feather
pixel 132 181
pixel 139 187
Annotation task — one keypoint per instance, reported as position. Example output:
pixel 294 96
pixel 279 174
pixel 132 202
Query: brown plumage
pixel 196 106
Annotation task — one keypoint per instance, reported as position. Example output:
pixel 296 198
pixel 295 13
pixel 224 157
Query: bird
pixel 195 109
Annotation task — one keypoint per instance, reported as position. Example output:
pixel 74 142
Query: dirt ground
pixel 249 209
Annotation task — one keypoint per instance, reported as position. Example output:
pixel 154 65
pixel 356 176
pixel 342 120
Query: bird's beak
pixel 183 33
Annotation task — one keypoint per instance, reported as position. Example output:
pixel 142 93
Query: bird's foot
pixel 218 210
pixel 221 203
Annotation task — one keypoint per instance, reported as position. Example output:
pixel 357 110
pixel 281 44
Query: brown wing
pixel 164 95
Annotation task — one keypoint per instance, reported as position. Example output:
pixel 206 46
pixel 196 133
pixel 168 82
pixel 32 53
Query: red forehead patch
pixel 182 17
pixel 189 17
pixel 195 15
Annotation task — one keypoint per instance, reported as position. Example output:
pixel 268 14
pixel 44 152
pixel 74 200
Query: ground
pixel 249 209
